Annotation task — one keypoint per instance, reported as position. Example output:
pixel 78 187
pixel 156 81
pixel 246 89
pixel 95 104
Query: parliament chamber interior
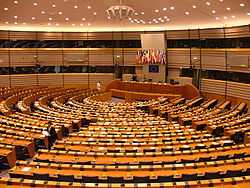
pixel 124 93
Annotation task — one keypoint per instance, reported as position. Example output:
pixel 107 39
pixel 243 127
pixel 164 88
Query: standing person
pixel 52 134
pixel 98 86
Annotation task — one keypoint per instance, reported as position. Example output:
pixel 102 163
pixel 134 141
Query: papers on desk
pixel 26 169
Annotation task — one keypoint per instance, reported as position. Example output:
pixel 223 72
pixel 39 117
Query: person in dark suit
pixel 52 134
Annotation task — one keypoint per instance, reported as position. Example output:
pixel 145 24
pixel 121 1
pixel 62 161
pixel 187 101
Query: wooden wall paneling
pixel 76 79
pixel 239 60
pixel 132 35
pixel 22 35
pixel 4 35
pixel 117 35
pixel 182 34
pixel 4 80
pixel 211 33
pixel 178 57
pixel 213 86
pixel 49 36
pixel 23 80
pixel 100 36
pixel 130 56
pixel 194 34
pixel 55 79
pixel 75 56
pixel 237 32
pixel 22 57
pixel 49 56
pixel 4 57
pixel 74 36
pixel 100 56
pixel 213 59
pixel 238 90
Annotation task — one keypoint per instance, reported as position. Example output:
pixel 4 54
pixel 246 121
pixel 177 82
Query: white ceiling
pixel 90 15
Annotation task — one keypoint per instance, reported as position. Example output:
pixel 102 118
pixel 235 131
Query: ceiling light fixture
pixel 120 11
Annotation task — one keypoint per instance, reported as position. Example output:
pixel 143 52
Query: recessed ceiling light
pixel 242 4
pixel 233 16
pixel 150 22
pixel 136 13
pixel 42 12
pixel 156 10
pixel 75 6
pixel 15 23
pixel 89 7
pixel 194 6
pixel 83 19
pixel 53 5
pixel 187 13
pixel 109 17
pixel 213 11
pixel 33 18
pixel 57 24
pixel 165 17
pixel 35 4
pixel 67 19
pixel 168 19
pixel 6 9
pixel 15 17
pixel 89 24
pixel 164 9
pixel 6 22
pixel 225 17
pixel 228 8
pixel 221 0
pixel 16 2
pixel 49 24
pixel 248 13
pixel 50 19
pixel 217 18
pixel 95 13
pixel 24 23
pixel 142 13
pixel 208 3
pixel 60 13
pixel 73 24
pixel 81 24
pixel 172 8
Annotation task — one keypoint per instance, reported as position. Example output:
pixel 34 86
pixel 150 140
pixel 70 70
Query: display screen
pixel 153 68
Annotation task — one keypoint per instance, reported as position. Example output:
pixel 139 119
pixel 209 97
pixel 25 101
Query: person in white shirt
pixel 98 86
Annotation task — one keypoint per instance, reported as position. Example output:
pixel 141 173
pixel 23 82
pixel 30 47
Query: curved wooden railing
pixel 188 91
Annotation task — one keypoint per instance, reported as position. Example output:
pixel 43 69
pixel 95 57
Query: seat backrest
pixel 68 178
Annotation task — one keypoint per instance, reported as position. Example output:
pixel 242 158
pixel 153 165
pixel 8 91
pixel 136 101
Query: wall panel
pixel 130 57
pixel 4 58
pixel 237 32
pixel 101 57
pixel 49 57
pixel 238 60
pixel 213 86
pixel 4 81
pixel 213 59
pixel 239 90
pixel 22 57
pixel 50 79
pixel 23 80
pixel 75 57
pixel 178 58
